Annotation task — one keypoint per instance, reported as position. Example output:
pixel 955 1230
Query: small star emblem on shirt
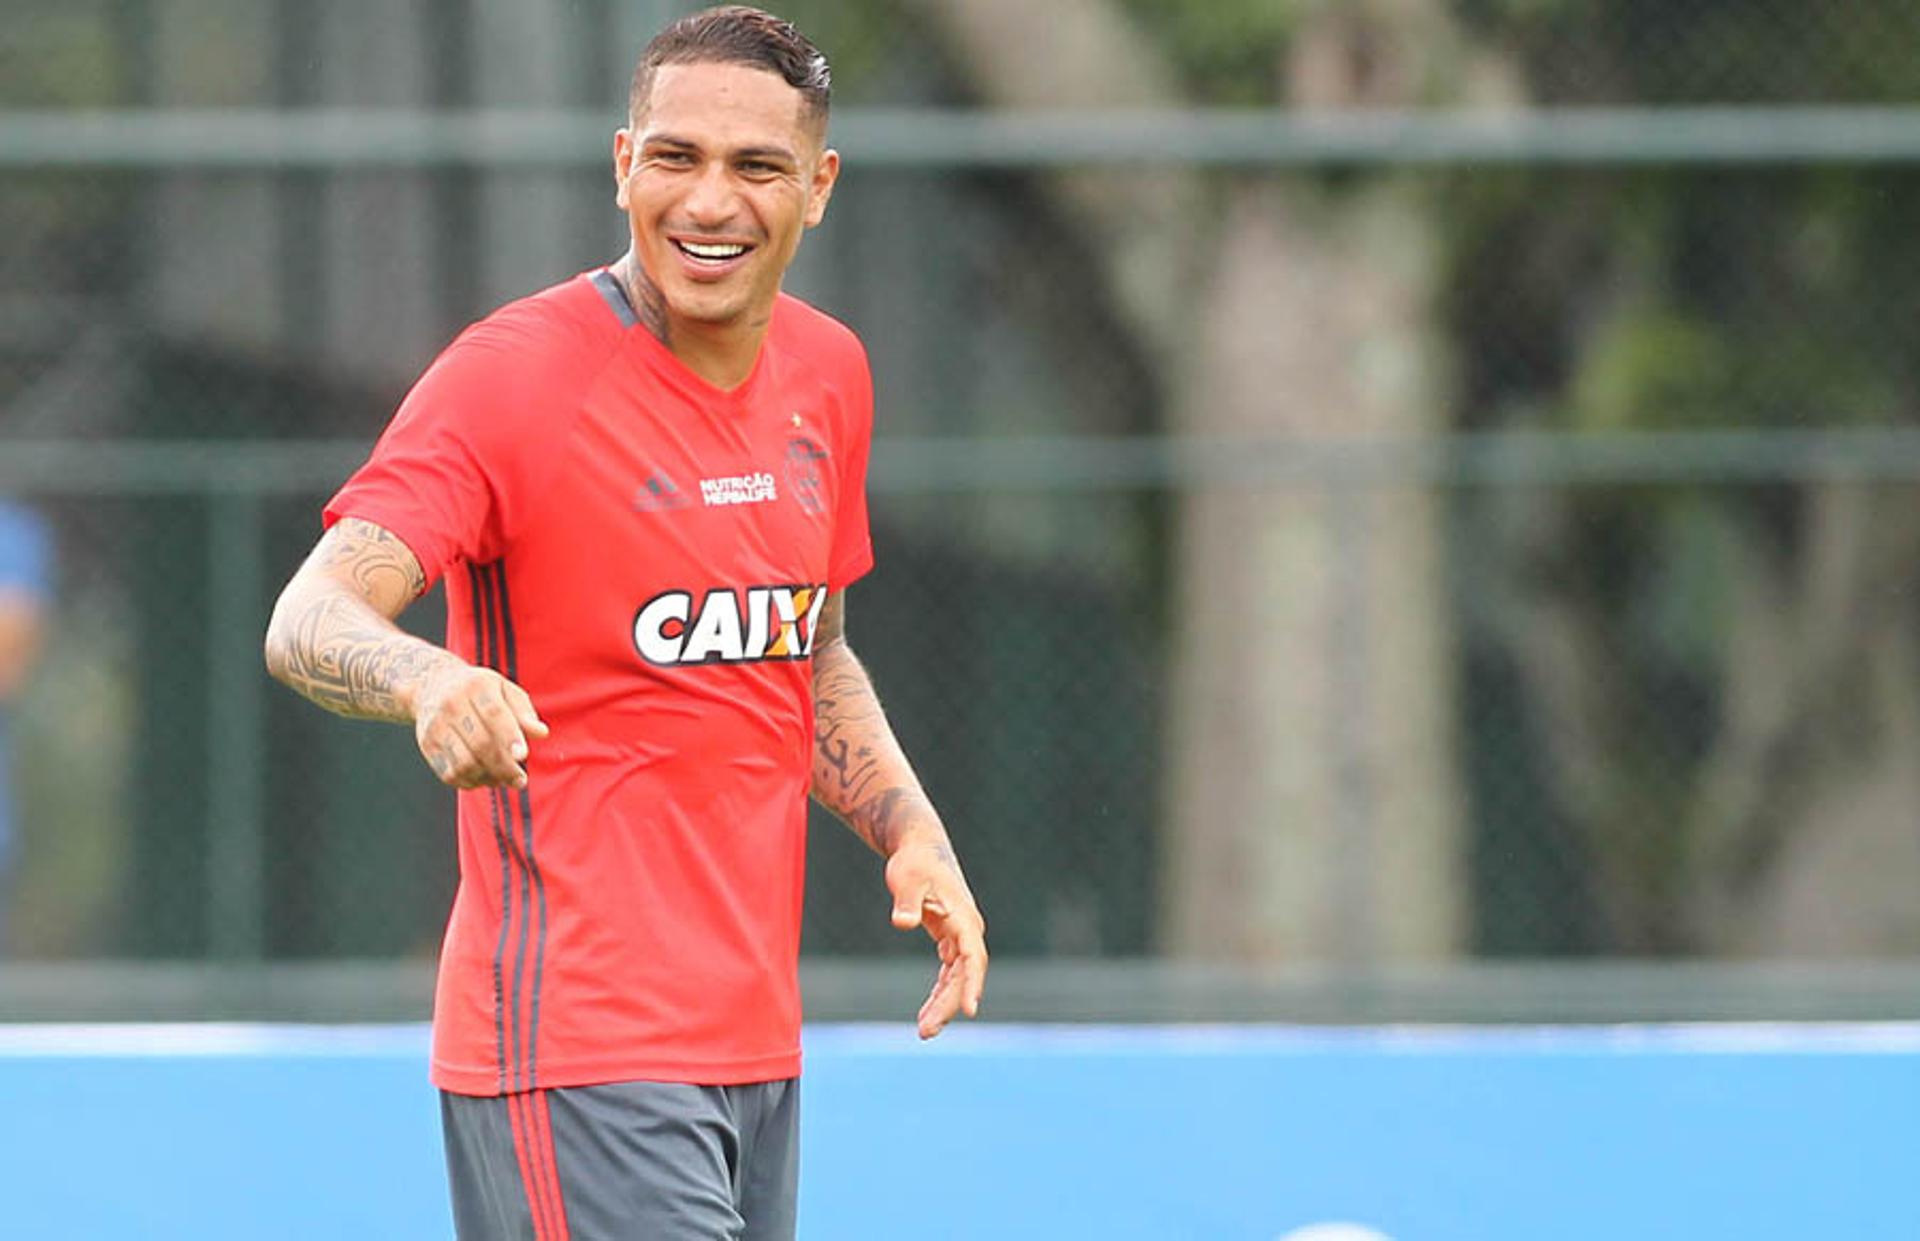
pixel 796 420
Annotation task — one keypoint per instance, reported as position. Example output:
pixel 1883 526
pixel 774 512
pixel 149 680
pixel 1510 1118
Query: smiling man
pixel 645 488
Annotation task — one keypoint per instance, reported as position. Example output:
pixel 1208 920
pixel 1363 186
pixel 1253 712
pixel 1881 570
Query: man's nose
pixel 710 203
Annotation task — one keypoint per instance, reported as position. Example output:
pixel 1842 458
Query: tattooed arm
pixel 861 774
pixel 332 639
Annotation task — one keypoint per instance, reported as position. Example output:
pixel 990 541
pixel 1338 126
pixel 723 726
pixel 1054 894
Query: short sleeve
pixel 466 454
pixel 26 552
pixel 852 539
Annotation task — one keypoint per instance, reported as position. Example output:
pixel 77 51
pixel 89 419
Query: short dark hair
pixel 738 34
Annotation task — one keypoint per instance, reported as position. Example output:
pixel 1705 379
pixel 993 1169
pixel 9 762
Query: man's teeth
pixel 699 251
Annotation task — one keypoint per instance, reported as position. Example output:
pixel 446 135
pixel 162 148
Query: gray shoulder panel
pixel 616 297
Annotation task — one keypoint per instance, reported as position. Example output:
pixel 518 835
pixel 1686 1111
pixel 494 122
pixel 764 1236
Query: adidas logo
pixel 658 494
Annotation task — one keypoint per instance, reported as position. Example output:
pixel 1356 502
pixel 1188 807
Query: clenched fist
pixel 473 727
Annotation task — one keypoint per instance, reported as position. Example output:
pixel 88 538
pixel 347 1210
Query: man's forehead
pixel 720 97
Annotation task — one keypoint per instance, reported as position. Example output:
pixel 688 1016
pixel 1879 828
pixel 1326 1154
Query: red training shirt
pixel 647 555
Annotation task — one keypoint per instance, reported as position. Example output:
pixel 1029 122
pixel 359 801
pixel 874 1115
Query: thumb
pixel 906 910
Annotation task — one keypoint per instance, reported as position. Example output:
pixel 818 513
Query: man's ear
pixel 623 153
pixel 825 173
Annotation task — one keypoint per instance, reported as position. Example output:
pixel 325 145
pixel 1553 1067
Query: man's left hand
pixel 929 891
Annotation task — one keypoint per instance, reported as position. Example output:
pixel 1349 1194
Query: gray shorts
pixel 624 1160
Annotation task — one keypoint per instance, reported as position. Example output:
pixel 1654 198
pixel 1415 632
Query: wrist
pixel 416 689
pixel 922 833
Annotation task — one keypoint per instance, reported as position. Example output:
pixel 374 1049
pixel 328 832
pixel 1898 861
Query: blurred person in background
pixel 26 572
pixel 645 488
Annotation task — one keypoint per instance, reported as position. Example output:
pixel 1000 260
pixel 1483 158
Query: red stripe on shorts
pixel 549 1160
pixel 526 1148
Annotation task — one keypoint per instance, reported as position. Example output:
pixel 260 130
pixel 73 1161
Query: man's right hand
pixel 332 639
pixel 474 726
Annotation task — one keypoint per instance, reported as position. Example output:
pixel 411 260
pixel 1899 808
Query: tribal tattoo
pixel 332 638
pixel 376 562
pixel 859 771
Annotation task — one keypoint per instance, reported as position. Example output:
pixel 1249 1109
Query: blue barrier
pixel 1420 1134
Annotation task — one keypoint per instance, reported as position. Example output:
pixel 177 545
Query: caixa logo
pixel 731 625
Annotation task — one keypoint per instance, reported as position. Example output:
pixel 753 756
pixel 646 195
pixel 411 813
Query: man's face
pixel 719 176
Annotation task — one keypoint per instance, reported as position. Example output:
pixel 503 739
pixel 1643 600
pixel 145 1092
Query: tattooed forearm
pixel 332 638
pixel 338 652
pixel 859 770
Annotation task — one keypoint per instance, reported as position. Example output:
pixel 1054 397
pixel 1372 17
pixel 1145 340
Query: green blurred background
pixel 1384 509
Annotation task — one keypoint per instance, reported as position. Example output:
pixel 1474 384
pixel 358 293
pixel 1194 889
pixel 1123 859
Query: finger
pixel 505 747
pixel 504 772
pixel 961 983
pixel 973 958
pixel 465 720
pixel 442 764
pixel 942 924
pixel 475 771
pixel 908 906
pixel 498 769
pixel 939 1009
pixel 494 764
pixel 521 705
pixel 450 758
pixel 941 980
pixel 943 1001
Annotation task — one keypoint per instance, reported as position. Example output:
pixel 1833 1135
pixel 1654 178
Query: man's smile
pixel 706 257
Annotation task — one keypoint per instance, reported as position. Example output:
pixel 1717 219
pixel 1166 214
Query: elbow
pixel 275 652
pixel 277 648
pixel 831 650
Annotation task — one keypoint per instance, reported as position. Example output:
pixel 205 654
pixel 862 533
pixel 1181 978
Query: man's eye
pixel 676 158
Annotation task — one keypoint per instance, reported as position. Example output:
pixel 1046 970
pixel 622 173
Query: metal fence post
pixel 236 756
pixel 1353 911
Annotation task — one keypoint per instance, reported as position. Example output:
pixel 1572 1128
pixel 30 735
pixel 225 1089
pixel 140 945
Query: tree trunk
pixel 1313 808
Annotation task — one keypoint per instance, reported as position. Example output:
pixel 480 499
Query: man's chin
pixel 707 312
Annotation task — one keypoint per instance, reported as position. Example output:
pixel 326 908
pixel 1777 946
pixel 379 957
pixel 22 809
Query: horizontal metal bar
pixel 1276 138
pixel 1072 463
pixel 176 467
pixel 933 138
pixel 1030 989
pixel 1151 463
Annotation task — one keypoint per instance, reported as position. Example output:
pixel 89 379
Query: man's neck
pixel 721 354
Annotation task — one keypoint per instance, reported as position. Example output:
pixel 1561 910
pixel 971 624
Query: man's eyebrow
pixel 773 152
pixel 780 153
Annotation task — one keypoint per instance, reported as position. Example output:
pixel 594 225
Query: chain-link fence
pixel 1352 534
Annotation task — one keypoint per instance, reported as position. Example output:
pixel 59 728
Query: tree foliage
pixel 1228 52
pixel 1652 676
pixel 1682 649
